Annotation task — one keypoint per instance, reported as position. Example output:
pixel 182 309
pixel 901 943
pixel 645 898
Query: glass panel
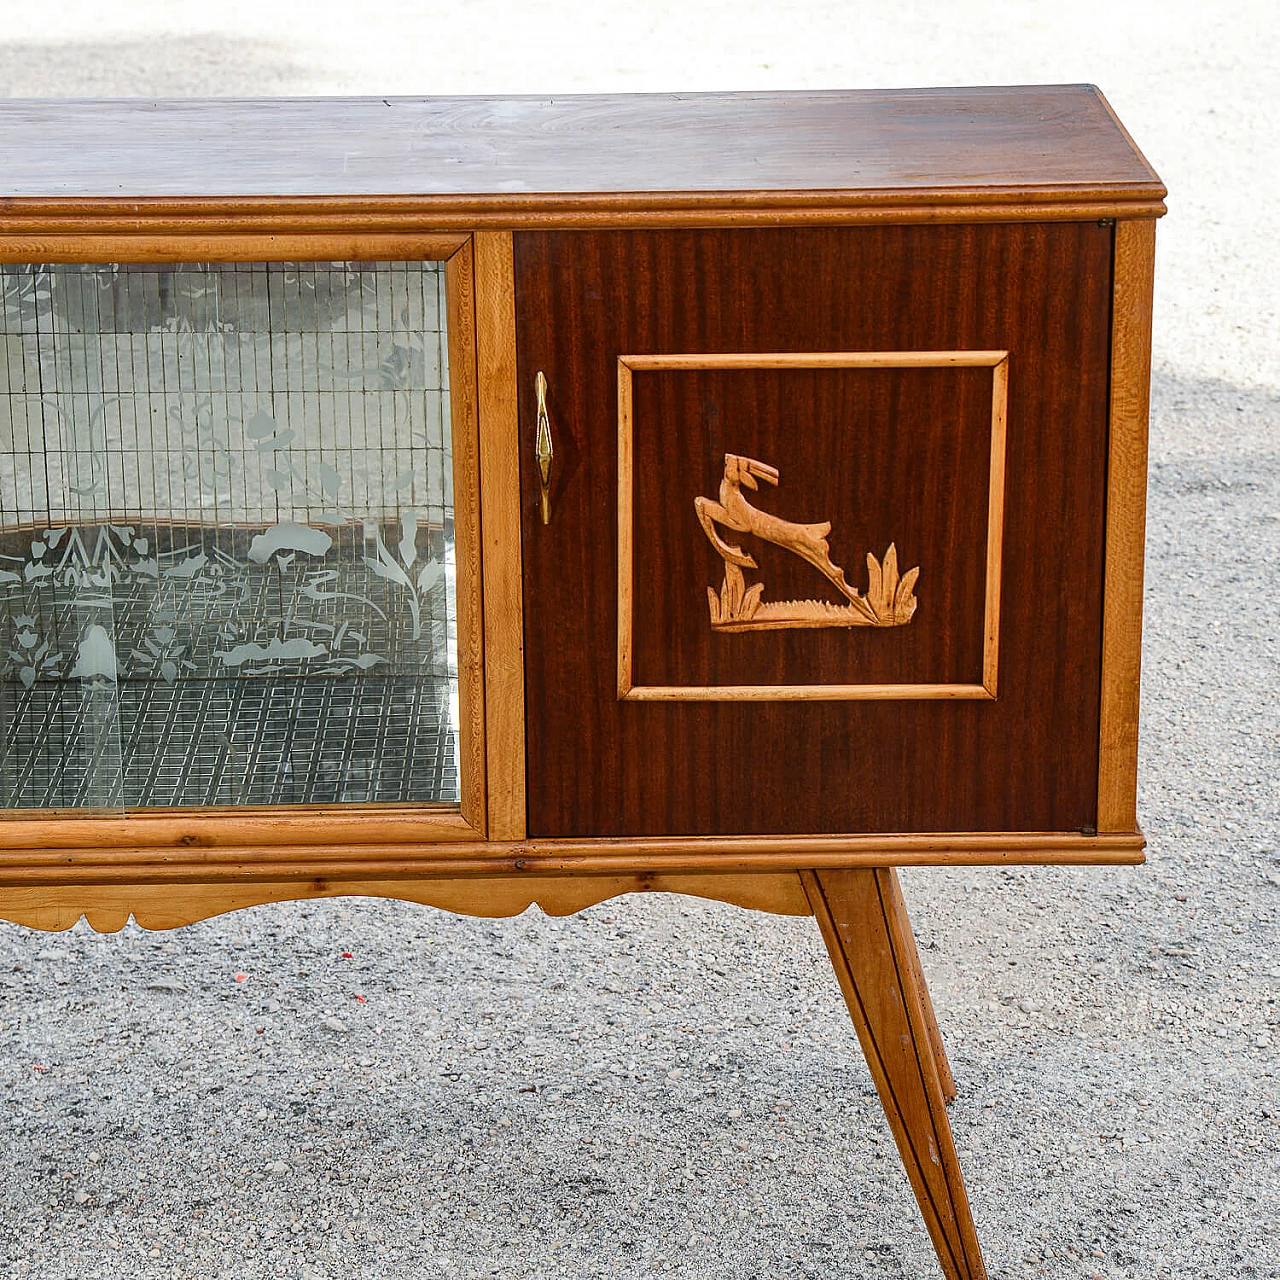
pixel 226 536
pixel 60 732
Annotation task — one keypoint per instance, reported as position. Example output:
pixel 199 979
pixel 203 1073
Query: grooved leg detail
pixel 865 927
pixel 948 1080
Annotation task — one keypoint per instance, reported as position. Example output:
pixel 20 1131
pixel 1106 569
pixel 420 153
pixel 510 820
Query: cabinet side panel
pixel 1135 244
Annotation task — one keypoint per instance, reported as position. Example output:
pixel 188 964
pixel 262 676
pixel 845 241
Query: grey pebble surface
pixel 665 1086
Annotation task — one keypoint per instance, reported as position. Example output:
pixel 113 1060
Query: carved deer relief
pixel 889 601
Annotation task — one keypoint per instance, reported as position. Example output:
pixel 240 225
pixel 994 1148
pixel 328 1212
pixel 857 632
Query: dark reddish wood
pixel 1060 141
pixel 1026 762
pixel 868 937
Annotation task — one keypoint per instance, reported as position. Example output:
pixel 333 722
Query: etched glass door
pixel 226 536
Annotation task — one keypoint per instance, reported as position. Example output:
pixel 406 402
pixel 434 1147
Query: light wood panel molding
pixel 736 607
pixel 464 420
pixel 1133 283
pixel 648 854
pixel 349 826
pixel 227 242
pixel 804 692
pixel 107 908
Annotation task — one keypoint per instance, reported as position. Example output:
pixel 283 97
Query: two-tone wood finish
pixel 226 181
pixel 865 926
pixel 359 831
pixel 801 539
pixel 925 317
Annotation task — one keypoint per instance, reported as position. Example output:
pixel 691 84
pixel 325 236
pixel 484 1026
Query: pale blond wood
pixel 107 839
pixel 802 692
pixel 651 854
pixel 350 826
pixel 464 420
pixel 817 360
pixel 945 1075
pixel 739 608
pixel 626 549
pixel 108 907
pixel 868 938
pixel 995 525
pixel 500 515
pixel 902 942
pixel 1133 282
pixel 232 244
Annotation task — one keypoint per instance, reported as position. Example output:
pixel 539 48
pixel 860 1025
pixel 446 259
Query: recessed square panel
pixel 810 526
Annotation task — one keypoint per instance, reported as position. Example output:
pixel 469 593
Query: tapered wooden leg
pixel 948 1081
pixel 865 927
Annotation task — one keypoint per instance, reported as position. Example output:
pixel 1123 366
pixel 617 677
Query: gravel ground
pixel 671 1086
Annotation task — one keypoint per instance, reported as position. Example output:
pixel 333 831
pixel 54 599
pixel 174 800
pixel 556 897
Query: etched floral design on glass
pixel 226 535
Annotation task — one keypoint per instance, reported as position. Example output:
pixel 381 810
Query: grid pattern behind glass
pixel 226 535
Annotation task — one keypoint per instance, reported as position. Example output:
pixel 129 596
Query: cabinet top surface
pixel 994 143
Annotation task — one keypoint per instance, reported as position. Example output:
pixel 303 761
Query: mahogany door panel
pixel 770 408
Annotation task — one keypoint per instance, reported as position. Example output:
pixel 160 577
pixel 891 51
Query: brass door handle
pixel 543 449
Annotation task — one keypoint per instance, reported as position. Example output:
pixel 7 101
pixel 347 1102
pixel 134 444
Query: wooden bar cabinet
pixel 486 502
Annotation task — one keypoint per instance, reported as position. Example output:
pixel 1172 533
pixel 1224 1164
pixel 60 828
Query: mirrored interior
pixel 226 536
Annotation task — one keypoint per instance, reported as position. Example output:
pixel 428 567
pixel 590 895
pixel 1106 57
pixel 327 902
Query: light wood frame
pixel 1133 278
pixel 500 512
pixel 996 361
pixel 475 333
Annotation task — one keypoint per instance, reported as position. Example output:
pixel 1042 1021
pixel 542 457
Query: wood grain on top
pixel 988 142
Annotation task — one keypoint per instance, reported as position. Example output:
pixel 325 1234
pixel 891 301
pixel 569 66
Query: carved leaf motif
pixel 735 586
pixel 890 584
pixel 875 592
pixel 904 603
